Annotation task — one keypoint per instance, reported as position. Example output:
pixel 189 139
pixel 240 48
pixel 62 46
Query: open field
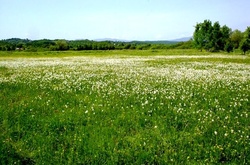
pixel 124 108
pixel 101 53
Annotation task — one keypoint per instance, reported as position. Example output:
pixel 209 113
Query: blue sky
pixel 120 19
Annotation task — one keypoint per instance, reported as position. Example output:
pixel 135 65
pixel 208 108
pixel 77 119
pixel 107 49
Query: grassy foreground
pixel 124 108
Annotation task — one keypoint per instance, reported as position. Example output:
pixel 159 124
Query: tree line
pixel 207 36
pixel 212 37
pixel 77 45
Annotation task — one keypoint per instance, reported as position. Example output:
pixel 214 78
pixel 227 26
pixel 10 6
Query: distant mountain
pixel 155 42
pixel 184 39
pixel 111 39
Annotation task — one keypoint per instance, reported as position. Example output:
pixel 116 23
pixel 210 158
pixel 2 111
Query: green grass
pixel 103 53
pixel 124 108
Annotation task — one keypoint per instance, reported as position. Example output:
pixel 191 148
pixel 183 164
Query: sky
pixel 119 19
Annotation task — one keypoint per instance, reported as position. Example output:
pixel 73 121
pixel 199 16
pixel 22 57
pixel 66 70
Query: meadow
pixel 124 107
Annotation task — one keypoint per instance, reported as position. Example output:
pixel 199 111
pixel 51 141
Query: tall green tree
pixel 244 46
pixel 245 43
pixel 62 45
pixel 203 34
pixel 216 39
pixel 211 37
pixel 236 38
pixel 207 31
pixel 229 46
pixel 198 37
pixel 225 40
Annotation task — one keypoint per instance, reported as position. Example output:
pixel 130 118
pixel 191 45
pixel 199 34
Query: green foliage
pixel 229 46
pixel 202 34
pixel 78 45
pixel 212 37
pixel 236 37
pixel 216 39
pixel 40 44
pixel 6 46
pixel 245 43
pixel 247 33
pixel 62 45
pixel 182 45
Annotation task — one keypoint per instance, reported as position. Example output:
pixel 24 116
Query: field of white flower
pixel 125 110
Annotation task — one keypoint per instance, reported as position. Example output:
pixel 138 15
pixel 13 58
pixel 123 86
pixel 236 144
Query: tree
pixel 225 40
pixel 202 35
pixel 229 46
pixel 198 38
pixel 207 30
pixel 245 43
pixel 216 38
pixel 211 37
pixel 247 33
pixel 236 38
pixel 62 45
pixel 244 46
